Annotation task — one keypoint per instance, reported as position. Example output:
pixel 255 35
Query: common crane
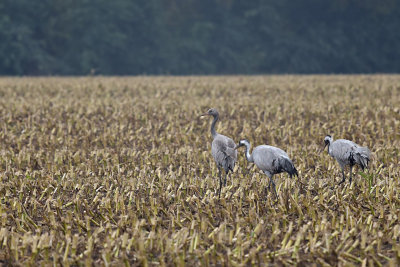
pixel 271 160
pixel 347 153
pixel 222 149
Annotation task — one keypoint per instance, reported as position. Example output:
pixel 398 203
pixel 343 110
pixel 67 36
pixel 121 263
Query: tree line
pixel 125 37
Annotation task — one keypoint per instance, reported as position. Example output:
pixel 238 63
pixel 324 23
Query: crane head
pixel 242 142
pixel 211 112
pixel 327 140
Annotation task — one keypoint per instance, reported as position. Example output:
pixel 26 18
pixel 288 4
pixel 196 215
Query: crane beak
pixel 205 114
pixel 236 147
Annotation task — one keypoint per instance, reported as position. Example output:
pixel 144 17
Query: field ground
pixel 111 171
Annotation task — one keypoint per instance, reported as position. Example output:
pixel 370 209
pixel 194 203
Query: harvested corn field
pixel 112 171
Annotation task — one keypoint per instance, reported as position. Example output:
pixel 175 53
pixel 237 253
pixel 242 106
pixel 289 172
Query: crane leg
pixel 274 187
pixel 351 168
pixel 344 178
pixel 220 182
pixel 226 175
pixel 271 181
pixel 268 187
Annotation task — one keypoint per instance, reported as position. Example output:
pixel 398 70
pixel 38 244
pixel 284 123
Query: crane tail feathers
pixel 228 164
pixel 288 166
pixel 362 157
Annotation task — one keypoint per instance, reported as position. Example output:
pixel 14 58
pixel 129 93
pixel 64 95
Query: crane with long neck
pixel 271 160
pixel 222 149
pixel 346 153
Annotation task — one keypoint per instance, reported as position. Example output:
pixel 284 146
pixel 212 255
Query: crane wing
pixel 222 149
pixel 342 150
pixel 273 159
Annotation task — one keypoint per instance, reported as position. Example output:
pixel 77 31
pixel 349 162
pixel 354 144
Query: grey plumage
pixel 347 153
pixel 223 152
pixel 271 160
pixel 222 149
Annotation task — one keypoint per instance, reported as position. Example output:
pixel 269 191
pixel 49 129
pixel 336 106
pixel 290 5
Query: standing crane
pixel 222 149
pixel 347 153
pixel 271 160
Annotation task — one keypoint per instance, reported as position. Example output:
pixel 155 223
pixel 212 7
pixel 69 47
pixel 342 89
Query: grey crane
pixel 222 149
pixel 347 153
pixel 271 160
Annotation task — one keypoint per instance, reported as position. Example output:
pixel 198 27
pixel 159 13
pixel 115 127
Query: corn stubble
pixel 118 171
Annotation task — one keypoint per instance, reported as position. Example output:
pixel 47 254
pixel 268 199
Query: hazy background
pixel 125 37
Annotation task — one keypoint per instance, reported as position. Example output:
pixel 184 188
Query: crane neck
pixel 249 156
pixel 329 145
pixel 213 131
pixel 329 148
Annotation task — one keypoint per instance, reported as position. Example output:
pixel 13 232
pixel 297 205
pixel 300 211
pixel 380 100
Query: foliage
pixel 79 37
pixel 112 171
